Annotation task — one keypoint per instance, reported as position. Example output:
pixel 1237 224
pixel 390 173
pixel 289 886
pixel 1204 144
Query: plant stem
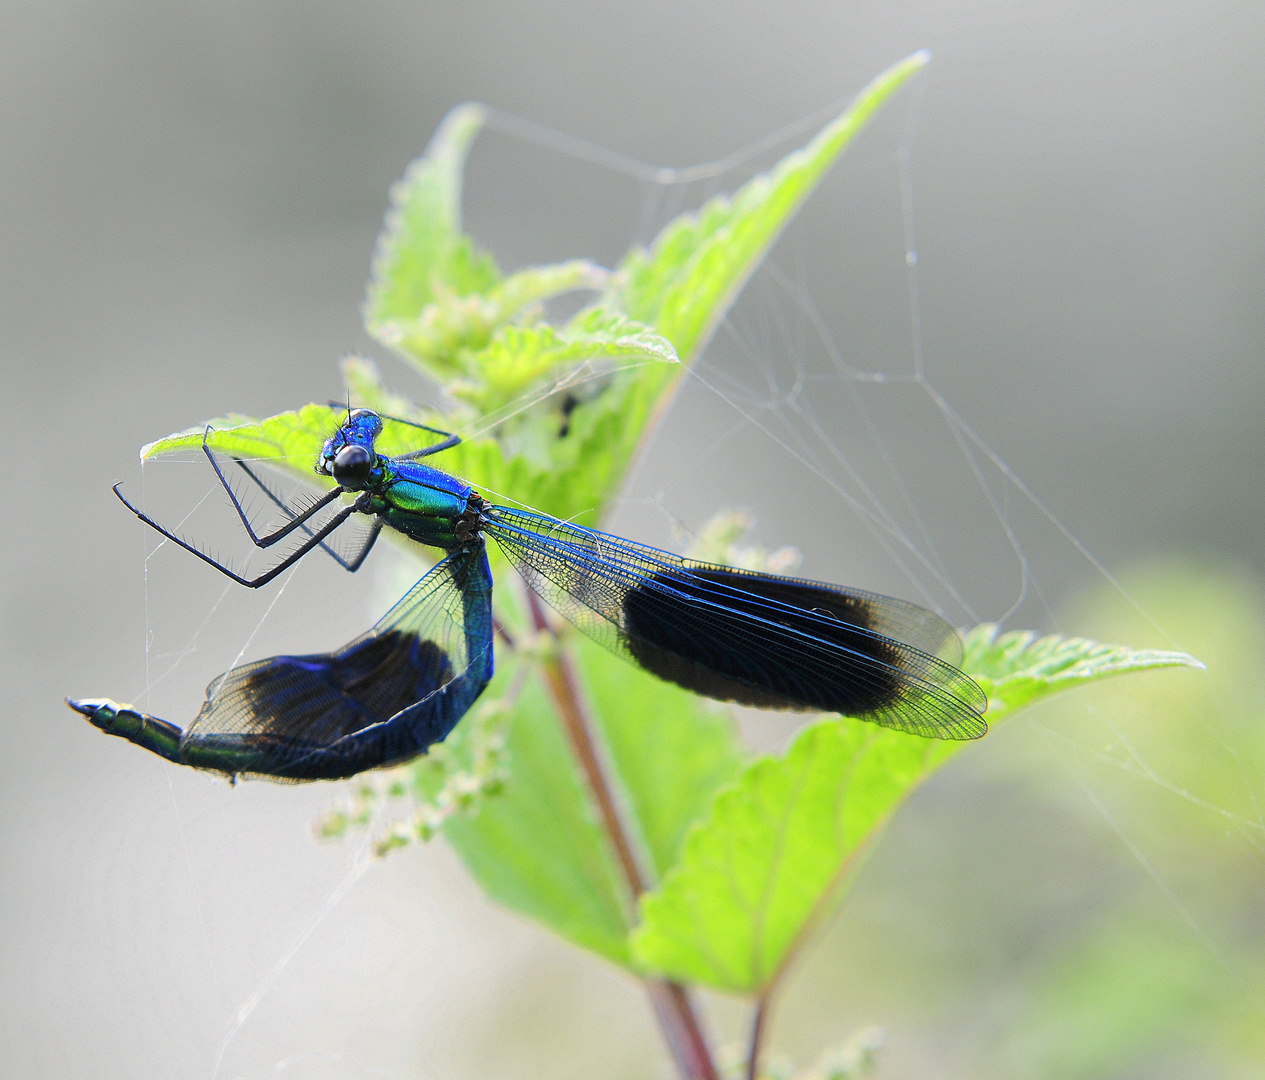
pixel 565 691
pixel 673 1008
pixel 681 1029
pixel 757 1035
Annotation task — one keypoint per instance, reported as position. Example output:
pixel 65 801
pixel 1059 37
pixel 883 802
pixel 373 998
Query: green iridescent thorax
pixel 423 503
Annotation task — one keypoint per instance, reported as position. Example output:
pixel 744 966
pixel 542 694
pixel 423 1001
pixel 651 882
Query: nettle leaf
pixel 566 454
pixel 688 279
pixel 535 284
pixel 604 414
pixel 1018 668
pixel 440 301
pixel 291 440
pixel 670 749
pixel 527 458
pixel 771 856
pixel 366 390
pixel 519 357
pixel 445 338
pixel 538 848
pixel 422 250
pixel 569 456
pixel 778 846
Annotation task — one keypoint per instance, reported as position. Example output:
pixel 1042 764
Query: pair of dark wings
pixel 730 634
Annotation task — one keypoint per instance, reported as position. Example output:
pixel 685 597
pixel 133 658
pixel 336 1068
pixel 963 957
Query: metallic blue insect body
pixel 735 635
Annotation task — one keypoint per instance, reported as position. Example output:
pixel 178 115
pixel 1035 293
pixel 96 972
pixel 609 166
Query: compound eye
pixel 352 465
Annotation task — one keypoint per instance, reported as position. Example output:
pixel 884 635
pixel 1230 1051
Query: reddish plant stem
pixel 673 1008
pixel 681 1029
pixel 757 1036
pixel 499 629
pixel 565 690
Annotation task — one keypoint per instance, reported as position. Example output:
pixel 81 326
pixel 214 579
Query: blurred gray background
pixel 190 198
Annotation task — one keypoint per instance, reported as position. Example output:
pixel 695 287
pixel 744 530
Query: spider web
pixel 820 405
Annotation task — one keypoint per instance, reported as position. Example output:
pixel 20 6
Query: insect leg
pixel 296 520
pixel 267 576
pixel 351 565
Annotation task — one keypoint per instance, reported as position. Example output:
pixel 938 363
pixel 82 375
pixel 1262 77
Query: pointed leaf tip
pixel 422 252
pixel 694 269
pixel 1017 667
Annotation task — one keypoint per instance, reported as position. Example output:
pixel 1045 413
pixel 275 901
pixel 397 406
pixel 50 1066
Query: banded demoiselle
pixel 731 634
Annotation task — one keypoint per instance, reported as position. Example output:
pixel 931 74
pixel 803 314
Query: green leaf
pixel 519 357
pixel 442 303
pixel 422 250
pixel 778 847
pixel 687 281
pixel 526 457
pixel 444 338
pixel 536 284
pixel 291 440
pixel 671 750
pixel 773 852
pixel 537 847
pixel 1017 668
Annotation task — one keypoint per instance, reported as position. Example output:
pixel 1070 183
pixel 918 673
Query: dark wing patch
pixel 318 699
pixel 756 639
pixel 379 700
pixel 699 631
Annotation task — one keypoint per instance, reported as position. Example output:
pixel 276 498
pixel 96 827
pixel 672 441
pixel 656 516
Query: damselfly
pixel 731 634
